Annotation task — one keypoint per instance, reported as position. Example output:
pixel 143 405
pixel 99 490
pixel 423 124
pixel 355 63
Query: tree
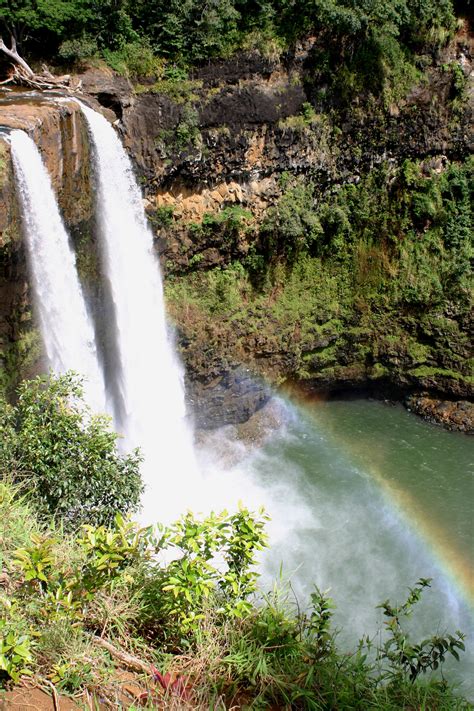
pixel 13 54
pixel 23 19
pixel 50 22
pixel 50 442
pixel 188 29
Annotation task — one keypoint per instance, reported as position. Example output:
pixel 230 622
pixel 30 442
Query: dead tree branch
pixel 13 54
pixel 23 74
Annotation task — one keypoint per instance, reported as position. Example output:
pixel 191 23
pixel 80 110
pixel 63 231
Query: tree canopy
pixel 190 30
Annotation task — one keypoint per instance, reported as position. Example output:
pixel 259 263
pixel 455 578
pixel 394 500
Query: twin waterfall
pixel 144 391
pixel 66 327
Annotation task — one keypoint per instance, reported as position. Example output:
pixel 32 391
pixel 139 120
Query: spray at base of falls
pixel 334 525
pixel 66 327
pixel 149 382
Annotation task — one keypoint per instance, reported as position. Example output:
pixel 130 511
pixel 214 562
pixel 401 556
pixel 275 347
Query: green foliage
pixel 134 59
pixel 188 30
pixel 26 16
pixel 190 585
pixel 109 551
pixel 106 23
pixel 67 456
pixel 174 83
pixel 187 131
pixel 213 558
pixel 162 216
pixel 361 280
pixel 78 49
pixel 186 136
pixel 286 658
pixel 367 46
pixel 224 228
pixel 413 223
pixel 15 653
pixel 21 355
pixel 231 219
pixel 414 659
pixel 226 288
pixel 292 226
pixel 36 560
pixel 363 47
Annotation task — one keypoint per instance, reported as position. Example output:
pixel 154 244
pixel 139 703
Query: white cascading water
pixel 66 328
pixel 150 379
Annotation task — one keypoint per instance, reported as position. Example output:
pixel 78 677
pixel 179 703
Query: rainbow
pixel 456 567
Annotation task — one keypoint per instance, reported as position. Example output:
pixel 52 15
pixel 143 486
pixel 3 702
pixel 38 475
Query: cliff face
pixel 251 280
pixel 61 136
pixel 301 243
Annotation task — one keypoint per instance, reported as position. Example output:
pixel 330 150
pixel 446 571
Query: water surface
pixel 366 498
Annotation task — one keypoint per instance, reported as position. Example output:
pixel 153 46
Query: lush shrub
pixel 293 225
pixel 410 229
pixel 78 48
pixel 64 597
pixel 69 458
pixel 134 59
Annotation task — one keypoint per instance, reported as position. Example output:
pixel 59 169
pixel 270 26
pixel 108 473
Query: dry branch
pixel 13 54
pixel 23 74
pixel 127 659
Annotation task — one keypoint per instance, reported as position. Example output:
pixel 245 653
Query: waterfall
pixel 149 379
pixel 65 325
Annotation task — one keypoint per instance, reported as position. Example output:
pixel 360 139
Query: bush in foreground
pixel 52 444
pixel 180 605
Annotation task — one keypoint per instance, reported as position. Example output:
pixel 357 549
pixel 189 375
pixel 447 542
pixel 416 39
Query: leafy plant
pixel 15 653
pixel 78 49
pixel 36 561
pixel 162 216
pixel 52 443
pixel 414 659
pixel 292 226
pixel 134 59
pixel 213 559
pixel 190 586
pixel 109 551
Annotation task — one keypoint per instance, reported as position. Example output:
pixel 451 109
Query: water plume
pixel 66 328
pixel 151 413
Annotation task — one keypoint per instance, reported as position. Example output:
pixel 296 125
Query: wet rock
pixel 231 397
pixel 60 133
pixel 453 415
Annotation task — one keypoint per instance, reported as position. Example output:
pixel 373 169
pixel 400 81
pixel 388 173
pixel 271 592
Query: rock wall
pixel 229 136
pixel 61 135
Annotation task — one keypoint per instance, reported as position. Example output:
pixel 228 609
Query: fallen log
pixel 41 81
pixel 23 75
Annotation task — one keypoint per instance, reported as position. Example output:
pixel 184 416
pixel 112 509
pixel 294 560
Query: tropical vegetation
pixel 180 605
pixel 365 40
